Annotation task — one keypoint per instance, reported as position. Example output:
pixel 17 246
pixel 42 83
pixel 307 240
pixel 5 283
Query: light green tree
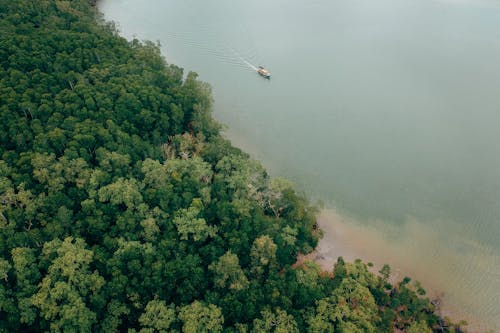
pixel 189 225
pixel 69 283
pixel 55 173
pixel 419 327
pixel 21 203
pixel 157 317
pixel 7 304
pixel 350 309
pixel 245 181
pixel 308 274
pixel 122 191
pixel 228 273
pixel 263 254
pixel 27 276
pixel 200 318
pixel 155 174
pixel 274 195
pixel 289 235
pixel 112 162
pixel 277 322
pixel 191 175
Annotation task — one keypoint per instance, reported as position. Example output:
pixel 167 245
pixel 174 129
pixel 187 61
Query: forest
pixel 123 209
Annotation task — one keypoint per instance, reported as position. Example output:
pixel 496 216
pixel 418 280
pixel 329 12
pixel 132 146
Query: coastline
pixel 401 247
pixel 379 243
pixel 344 237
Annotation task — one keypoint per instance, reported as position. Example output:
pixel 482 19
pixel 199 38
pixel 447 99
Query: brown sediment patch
pixel 423 252
pixel 312 257
pixel 302 258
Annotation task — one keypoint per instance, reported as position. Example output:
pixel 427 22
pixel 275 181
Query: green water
pixel 386 110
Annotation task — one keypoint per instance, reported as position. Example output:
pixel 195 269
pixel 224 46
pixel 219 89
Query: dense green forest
pixel 123 209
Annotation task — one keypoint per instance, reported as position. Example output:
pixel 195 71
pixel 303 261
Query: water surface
pixel 386 110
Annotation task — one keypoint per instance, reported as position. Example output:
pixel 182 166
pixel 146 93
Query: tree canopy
pixel 123 209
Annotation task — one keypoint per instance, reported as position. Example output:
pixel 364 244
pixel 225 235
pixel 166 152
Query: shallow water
pixel 419 251
pixel 386 110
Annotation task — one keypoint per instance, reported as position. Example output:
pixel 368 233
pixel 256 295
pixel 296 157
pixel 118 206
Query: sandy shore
pixel 402 250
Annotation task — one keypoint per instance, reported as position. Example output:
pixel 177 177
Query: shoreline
pixel 343 237
pixel 400 247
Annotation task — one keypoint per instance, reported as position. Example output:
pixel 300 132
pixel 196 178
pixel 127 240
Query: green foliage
pixel 157 317
pixel 189 226
pixel 263 254
pixel 228 273
pixel 419 327
pixel 278 322
pixel 198 317
pixel 122 192
pixel 350 308
pixel 69 288
pixel 27 275
pixel 123 209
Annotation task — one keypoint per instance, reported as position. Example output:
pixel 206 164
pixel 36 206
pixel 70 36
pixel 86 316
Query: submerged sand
pixel 415 250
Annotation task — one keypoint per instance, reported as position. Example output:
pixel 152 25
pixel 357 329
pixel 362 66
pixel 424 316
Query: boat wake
pixel 244 61
pixel 249 64
pixel 215 46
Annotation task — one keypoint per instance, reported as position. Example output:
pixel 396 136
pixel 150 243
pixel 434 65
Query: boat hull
pixel 266 76
pixel 263 72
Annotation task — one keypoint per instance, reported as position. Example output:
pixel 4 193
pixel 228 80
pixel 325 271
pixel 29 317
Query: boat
pixel 264 72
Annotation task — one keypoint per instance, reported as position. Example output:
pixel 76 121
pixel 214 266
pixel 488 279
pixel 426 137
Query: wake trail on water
pixel 213 45
pixel 243 60
pixel 249 64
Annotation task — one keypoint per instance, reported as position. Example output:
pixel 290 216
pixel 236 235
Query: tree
pixel 5 267
pixel 419 327
pixel 191 226
pixel 228 273
pixel 274 196
pixel 157 317
pixel 132 267
pixel 243 180
pixel 200 318
pixel 350 308
pixel 8 309
pixel 28 276
pixel 18 208
pixel 126 192
pixel 263 254
pixel 277 322
pixel 385 272
pixel 66 293
pixel 191 178
pixel 113 316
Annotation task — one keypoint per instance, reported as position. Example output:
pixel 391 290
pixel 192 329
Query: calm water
pixel 386 110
